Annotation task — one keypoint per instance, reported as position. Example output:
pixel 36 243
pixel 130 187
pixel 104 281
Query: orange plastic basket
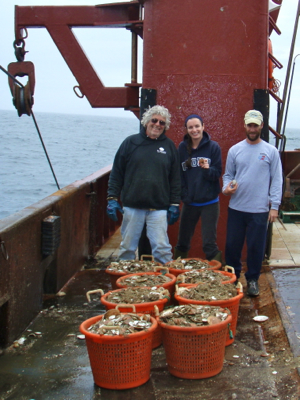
pixel 213 264
pixel 119 362
pixel 170 286
pixel 143 308
pixel 195 352
pixel 232 304
pixel 231 276
pixel 115 275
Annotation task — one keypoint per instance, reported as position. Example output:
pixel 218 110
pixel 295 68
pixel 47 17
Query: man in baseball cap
pixel 253 126
pixel 253 180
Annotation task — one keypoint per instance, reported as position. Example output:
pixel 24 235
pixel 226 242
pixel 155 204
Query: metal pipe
pixel 288 99
pixel 293 170
pixel 134 44
pixel 134 50
pixel 287 78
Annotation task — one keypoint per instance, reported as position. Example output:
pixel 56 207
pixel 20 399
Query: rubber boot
pixel 178 253
pixel 218 257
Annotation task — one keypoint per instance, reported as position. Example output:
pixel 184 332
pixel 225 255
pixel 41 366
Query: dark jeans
pixel 209 219
pixel 253 227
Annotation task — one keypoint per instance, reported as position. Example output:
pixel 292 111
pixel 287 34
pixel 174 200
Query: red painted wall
pixel 206 57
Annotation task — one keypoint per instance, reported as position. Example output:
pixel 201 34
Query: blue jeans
pixel 131 229
pixel 190 216
pixel 253 227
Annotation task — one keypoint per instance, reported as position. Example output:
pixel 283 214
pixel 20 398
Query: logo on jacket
pixel 161 150
pixel 263 157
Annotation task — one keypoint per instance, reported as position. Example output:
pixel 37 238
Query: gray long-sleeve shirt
pixel 258 172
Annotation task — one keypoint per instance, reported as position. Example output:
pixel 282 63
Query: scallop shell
pixel 81 337
pixel 111 312
pixel 213 320
pixel 166 312
pixel 260 318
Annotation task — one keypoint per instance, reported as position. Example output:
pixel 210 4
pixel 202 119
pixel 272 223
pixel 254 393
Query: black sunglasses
pixel 155 120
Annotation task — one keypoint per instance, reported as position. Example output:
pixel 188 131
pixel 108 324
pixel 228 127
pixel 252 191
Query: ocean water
pixel 292 139
pixel 77 145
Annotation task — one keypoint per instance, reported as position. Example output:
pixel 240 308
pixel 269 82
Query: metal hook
pixel 26 33
pixel 20 50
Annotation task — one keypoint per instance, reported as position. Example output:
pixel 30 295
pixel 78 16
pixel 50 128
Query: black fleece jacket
pixel 146 172
pixel 199 185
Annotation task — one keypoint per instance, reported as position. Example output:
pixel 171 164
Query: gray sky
pixel 54 81
pixel 281 50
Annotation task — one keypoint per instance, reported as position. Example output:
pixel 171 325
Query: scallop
pixel 260 318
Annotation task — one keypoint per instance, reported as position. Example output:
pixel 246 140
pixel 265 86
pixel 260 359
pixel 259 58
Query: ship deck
pixel 262 363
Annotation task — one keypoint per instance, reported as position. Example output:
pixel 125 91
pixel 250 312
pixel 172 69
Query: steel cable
pixel 36 126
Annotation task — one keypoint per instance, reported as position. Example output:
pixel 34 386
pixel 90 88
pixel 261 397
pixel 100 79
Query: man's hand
pixel 231 188
pixel 273 214
pixel 173 214
pixel 111 210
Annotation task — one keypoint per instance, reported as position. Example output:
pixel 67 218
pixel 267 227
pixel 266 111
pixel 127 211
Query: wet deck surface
pixel 263 362
pixel 288 300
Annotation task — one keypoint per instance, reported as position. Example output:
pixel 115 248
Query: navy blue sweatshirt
pixel 199 185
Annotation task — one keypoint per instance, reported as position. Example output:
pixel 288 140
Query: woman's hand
pixel 204 163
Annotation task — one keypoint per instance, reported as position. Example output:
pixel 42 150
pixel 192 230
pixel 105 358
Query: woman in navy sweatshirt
pixel 201 169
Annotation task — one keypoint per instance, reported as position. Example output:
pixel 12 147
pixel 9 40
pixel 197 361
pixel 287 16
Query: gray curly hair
pixel 158 110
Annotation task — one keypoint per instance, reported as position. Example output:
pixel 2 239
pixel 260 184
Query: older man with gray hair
pixel 146 174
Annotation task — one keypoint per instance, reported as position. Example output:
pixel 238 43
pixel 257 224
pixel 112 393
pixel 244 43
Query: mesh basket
pixel 170 286
pixel 231 276
pixel 232 304
pixel 115 275
pixel 119 362
pixel 195 352
pixel 213 264
pixel 143 308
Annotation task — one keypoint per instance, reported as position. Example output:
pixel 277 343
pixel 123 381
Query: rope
pixel 36 125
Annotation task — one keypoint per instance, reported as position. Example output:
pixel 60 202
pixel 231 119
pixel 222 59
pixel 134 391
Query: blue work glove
pixel 173 214
pixel 111 209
